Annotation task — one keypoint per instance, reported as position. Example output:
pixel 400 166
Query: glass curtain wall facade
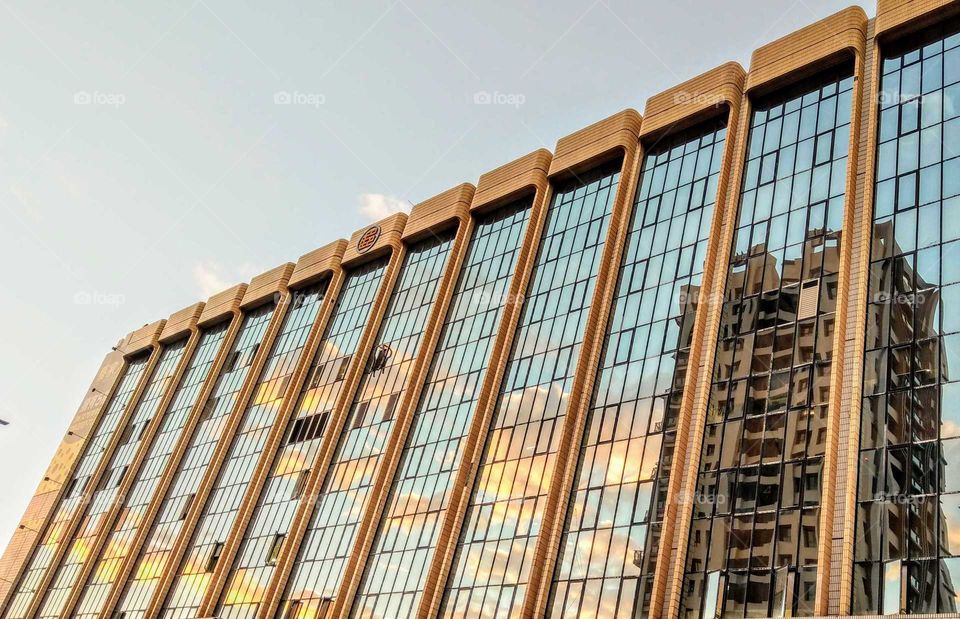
pixel 154 558
pixel 259 417
pixel 330 536
pixel 843 169
pixel 74 497
pixel 907 550
pixel 496 547
pixel 128 524
pixel 105 494
pixel 393 580
pixel 611 539
pixel 753 543
pixel 284 488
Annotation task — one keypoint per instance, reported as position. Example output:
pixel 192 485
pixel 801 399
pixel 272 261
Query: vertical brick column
pixel 141 340
pixel 180 324
pixel 617 136
pixel 262 289
pixel 450 208
pixel 835 555
pixel 524 176
pixel 672 576
pixel 220 307
pixel 389 242
pixel 324 262
pixel 716 92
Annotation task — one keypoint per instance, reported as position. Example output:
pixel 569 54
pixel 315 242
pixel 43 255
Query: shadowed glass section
pixel 404 546
pixel 105 494
pixel 223 503
pixel 285 486
pixel 496 547
pixel 907 533
pixel 329 539
pixel 155 554
pixel 76 490
pixel 754 535
pixel 144 490
pixel 612 534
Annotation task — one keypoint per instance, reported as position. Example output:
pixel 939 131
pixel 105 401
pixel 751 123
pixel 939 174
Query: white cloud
pixel 376 206
pixel 212 278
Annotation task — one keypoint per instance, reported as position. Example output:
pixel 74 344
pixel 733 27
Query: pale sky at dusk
pixel 153 153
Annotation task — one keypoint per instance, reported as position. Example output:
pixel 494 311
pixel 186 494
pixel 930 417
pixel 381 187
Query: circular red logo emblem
pixel 368 239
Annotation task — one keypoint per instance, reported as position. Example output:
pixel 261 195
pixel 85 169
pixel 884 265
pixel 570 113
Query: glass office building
pixel 696 362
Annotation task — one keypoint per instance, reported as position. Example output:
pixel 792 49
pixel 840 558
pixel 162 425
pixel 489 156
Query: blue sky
pixel 152 154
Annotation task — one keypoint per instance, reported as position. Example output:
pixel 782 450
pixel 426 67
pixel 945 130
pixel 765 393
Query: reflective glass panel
pixel 78 490
pixel 168 525
pixel 259 417
pixel 908 506
pixel 756 504
pixel 497 542
pixel 612 534
pixel 411 523
pixel 131 519
pixel 343 496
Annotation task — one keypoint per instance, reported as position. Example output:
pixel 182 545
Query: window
pixel 127 433
pixel 208 408
pixel 251 354
pixel 214 556
pixel 231 363
pixel 391 407
pixel 301 485
pixel 316 377
pixel 275 548
pixel 143 429
pixel 308 428
pixel 186 506
pixel 344 365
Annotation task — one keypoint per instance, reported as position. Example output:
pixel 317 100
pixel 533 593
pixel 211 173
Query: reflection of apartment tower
pixel 692 364
pixel 904 309
pixel 755 537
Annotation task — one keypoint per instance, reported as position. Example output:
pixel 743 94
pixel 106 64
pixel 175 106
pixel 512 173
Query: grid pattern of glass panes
pixel 343 496
pixel 907 552
pixel 753 540
pixel 155 555
pixel 284 488
pixel 247 445
pixel 409 528
pixel 609 549
pixel 117 547
pixel 105 494
pixel 496 547
pixel 75 494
